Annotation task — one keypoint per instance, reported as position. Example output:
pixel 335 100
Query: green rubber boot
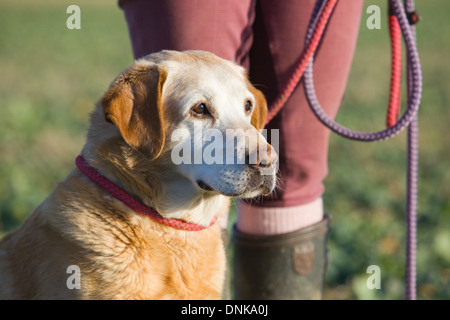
pixel 281 267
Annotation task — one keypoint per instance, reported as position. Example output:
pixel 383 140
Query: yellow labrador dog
pixel 136 218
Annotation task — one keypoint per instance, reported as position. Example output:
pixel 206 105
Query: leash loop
pixel 414 96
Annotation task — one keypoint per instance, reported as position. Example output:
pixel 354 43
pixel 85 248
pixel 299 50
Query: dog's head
pixel 202 113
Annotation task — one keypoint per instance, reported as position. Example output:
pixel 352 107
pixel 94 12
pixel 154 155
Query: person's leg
pixel 221 27
pixel 286 234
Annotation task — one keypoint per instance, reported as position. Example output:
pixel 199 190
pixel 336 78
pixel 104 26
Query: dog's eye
pixel 200 109
pixel 248 106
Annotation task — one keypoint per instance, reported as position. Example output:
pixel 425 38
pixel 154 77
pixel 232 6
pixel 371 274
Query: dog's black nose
pixel 263 159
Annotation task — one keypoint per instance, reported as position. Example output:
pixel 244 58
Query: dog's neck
pixel 132 202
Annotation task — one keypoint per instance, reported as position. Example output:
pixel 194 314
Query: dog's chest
pixel 165 267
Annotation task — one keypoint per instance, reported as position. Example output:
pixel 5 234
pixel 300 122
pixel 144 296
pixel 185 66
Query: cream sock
pixel 272 221
pixel 223 221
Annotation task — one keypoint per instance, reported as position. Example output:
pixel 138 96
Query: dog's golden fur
pixel 122 254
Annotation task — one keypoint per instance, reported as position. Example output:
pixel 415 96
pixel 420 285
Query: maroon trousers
pixel 266 37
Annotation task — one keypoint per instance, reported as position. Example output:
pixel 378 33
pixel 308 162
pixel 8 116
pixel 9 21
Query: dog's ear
pixel 133 105
pixel 259 114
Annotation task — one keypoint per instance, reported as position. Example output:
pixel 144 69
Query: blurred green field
pixel 50 78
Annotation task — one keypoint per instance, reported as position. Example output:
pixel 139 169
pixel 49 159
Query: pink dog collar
pixel 131 202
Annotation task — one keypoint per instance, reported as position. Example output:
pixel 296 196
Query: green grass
pixel 51 77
